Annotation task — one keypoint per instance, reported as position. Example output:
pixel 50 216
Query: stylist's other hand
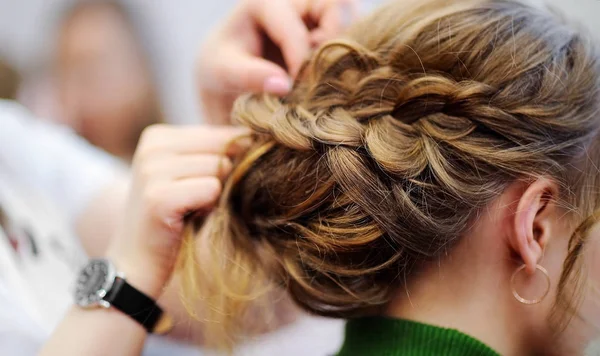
pixel 262 45
pixel 176 171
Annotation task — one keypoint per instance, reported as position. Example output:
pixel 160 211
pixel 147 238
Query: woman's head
pixel 105 81
pixel 434 138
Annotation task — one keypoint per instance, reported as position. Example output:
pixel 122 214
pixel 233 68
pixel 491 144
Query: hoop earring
pixel 529 301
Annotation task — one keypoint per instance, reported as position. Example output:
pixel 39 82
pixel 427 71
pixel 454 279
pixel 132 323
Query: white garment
pixel 36 278
pixel 52 159
pixel 41 164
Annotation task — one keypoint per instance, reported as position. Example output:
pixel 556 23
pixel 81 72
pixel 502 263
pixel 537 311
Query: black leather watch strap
pixel 134 303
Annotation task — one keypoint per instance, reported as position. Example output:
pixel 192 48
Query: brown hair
pixel 391 142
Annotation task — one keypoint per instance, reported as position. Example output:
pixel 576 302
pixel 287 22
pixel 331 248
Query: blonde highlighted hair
pixel 391 142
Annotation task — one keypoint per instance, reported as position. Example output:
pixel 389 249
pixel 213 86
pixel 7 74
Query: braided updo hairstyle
pixel 390 144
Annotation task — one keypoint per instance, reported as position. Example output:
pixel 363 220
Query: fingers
pixel 191 194
pixel 246 73
pixel 167 202
pixel 283 24
pixel 166 139
pixel 201 165
pixel 179 167
pixel 231 63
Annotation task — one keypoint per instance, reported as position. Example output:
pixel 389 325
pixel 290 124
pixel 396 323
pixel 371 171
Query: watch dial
pixel 90 282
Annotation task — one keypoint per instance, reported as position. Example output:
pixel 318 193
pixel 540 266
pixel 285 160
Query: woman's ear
pixel 533 221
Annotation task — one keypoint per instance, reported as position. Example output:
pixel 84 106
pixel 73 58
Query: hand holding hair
pixel 235 59
pixel 176 171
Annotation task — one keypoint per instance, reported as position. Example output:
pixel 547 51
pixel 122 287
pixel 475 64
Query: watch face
pixel 94 282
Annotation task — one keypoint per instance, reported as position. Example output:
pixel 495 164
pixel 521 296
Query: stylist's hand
pixel 237 59
pixel 176 170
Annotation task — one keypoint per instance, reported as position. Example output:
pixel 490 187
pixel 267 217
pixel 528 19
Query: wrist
pixel 142 278
pixel 103 283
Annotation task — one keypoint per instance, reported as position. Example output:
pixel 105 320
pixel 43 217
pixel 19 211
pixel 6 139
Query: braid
pixel 394 147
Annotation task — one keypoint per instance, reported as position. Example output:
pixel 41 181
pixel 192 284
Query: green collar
pixel 379 336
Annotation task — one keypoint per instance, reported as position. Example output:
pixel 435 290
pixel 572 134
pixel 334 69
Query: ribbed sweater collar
pixel 379 336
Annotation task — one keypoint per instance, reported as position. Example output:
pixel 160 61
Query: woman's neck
pixel 470 293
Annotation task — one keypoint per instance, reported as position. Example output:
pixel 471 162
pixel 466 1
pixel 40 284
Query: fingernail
pixel 277 85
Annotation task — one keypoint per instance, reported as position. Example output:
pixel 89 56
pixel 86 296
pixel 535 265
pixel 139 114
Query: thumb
pixel 245 73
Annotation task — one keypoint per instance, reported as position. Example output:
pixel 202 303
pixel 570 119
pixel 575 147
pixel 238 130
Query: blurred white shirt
pixel 52 159
pixel 39 255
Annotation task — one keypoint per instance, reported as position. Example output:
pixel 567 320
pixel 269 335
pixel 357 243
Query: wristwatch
pixel 100 285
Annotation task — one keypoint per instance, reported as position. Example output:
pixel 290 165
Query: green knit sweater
pixel 379 336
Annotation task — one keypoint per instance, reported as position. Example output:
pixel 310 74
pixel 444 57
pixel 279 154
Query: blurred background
pixel 69 57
